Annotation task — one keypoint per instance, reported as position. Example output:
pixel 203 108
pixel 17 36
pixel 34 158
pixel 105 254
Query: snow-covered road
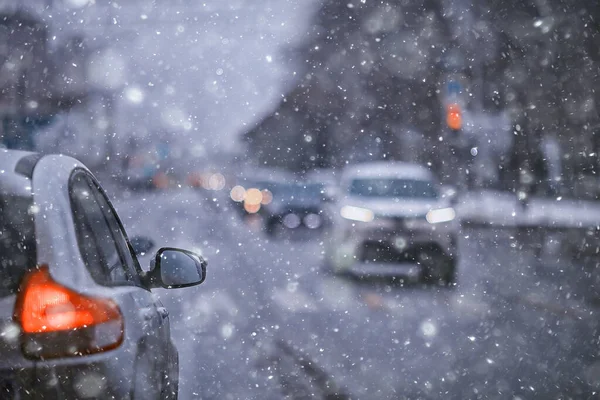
pixel 268 323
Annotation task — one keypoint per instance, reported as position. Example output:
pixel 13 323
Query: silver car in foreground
pixel 77 315
pixel 390 218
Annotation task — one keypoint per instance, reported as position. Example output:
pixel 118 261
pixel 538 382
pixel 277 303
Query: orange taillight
pixel 45 307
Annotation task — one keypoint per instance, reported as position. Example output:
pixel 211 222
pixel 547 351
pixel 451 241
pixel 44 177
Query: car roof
pixel 387 169
pixel 16 169
pixel 265 174
pixel 322 175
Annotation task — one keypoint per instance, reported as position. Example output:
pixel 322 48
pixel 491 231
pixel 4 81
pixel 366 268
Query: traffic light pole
pixel 478 73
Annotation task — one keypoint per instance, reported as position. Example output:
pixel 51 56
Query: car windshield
pixel 395 188
pixel 397 199
pixel 17 241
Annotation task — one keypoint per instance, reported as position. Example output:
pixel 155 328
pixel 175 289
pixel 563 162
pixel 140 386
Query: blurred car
pixel 294 205
pixel 251 189
pixel 282 205
pixel 159 164
pixel 77 315
pixel 147 166
pixel 387 213
pixel 328 177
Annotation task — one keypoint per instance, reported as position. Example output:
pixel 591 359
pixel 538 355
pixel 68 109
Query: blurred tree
pixel 373 70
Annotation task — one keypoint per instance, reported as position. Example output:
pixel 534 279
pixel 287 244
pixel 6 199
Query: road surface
pixel 269 323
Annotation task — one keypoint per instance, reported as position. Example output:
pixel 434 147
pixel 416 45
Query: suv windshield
pixel 17 241
pixel 386 187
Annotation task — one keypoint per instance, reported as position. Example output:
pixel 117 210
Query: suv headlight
pixel 357 214
pixel 440 215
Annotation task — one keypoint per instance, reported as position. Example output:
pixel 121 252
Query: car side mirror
pixel 141 245
pixel 176 268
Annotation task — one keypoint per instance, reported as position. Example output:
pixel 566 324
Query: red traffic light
pixel 453 117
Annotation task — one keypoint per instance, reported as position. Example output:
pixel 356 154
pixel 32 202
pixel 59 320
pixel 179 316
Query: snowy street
pixel 269 322
pixel 445 150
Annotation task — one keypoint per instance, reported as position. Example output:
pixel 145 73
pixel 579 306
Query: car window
pixel 401 188
pixel 17 241
pixel 101 241
pixel 296 190
pixel 120 237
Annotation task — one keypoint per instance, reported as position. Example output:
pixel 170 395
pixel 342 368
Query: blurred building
pixel 24 70
pixel 376 72
pixel 38 78
pixel 352 103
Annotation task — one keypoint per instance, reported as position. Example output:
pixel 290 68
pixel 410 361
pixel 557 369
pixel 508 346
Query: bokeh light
pixel 216 181
pixel 195 179
pixel 237 193
pixel 253 197
pixel 267 197
pixel 251 208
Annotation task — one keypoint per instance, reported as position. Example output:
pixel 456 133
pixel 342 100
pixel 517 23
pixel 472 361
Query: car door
pixel 111 262
pixel 130 264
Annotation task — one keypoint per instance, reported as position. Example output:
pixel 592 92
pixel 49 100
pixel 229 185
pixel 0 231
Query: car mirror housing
pixel 176 268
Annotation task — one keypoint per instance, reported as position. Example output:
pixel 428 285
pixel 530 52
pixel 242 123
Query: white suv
pixel 387 213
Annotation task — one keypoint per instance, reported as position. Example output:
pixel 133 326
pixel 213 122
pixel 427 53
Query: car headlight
pixel 357 214
pixel 440 215
pixel 312 221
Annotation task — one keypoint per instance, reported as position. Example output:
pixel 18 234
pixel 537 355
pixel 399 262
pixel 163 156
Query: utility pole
pixel 478 70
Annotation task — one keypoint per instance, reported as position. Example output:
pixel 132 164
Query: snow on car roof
pixel 385 169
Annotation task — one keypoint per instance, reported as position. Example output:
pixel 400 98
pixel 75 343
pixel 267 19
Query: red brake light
pixel 49 313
